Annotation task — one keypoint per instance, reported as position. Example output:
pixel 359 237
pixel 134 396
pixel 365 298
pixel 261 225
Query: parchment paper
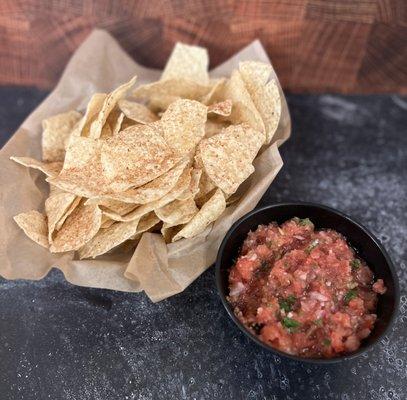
pixel 161 270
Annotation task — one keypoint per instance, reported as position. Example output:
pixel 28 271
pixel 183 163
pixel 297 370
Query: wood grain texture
pixel 346 46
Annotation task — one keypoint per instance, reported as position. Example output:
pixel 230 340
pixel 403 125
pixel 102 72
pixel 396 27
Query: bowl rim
pixel 254 338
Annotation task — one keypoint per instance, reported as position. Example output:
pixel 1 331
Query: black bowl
pixel 366 245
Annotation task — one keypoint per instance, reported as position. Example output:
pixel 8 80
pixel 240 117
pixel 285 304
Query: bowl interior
pixel 365 244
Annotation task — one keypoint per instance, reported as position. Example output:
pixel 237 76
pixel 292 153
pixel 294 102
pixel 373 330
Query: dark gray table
pixel 59 341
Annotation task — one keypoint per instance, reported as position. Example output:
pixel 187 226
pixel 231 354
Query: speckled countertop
pixel 59 341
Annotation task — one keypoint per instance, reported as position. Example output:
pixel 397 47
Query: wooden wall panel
pixel 346 46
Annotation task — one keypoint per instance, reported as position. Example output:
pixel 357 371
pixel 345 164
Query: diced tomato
pixel 379 287
pixel 303 290
pixel 245 266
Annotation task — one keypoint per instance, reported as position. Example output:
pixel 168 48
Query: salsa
pixel 303 291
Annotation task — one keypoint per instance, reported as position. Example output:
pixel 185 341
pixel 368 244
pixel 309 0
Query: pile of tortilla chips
pixel 164 157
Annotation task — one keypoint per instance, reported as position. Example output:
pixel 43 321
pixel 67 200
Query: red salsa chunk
pixel 302 291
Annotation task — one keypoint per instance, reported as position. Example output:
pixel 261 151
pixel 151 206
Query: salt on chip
pixel 50 169
pixel 177 212
pixel 151 191
pixel 228 156
pixel 137 112
pixel 136 156
pixel 56 131
pixel 209 213
pixel 182 184
pixel 187 62
pixel 116 234
pixel 56 205
pixel 34 225
pixel 108 105
pixel 80 227
pixel 265 96
pixel 183 125
pixel 223 108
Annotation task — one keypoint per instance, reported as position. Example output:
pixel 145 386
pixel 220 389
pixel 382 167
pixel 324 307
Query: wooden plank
pixel 315 45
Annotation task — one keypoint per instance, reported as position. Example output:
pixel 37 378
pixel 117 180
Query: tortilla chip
pixel 82 173
pixel 118 124
pixel 137 112
pixel 56 205
pixel 182 184
pixel 223 108
pixel 94 106
pixel 244 110
pixel 228 156
pixel 193 188
pixel 216 87
pixel 106 222
pixel 106 131
pixel 151 191
pixel 34 225
pixel 115 206
pixel 265 96
pixel 136 156
pixel 183 124
pixel 187 62
pixel 57 130
pixel 54 190
pixel 254 73
pixel 205 185
pixel 201 200
pixel 80 227
pixel 209 212
pixel 68 212
pixel 50 169
pixel 107 239
pixel 169 231
pixel 147 223
pixel 177 212
pixel 131 158
pixel 111 237
pixel 162 93
pixel 212 128
pixel 108 105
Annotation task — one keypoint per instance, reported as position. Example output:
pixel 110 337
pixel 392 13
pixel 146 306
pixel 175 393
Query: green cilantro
pixel 355 264
pixel 290 324
pixel 312 246
pixel 326 342
pixel 351 294
pixel 319 322
pixel 287 304
pixel 305 222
